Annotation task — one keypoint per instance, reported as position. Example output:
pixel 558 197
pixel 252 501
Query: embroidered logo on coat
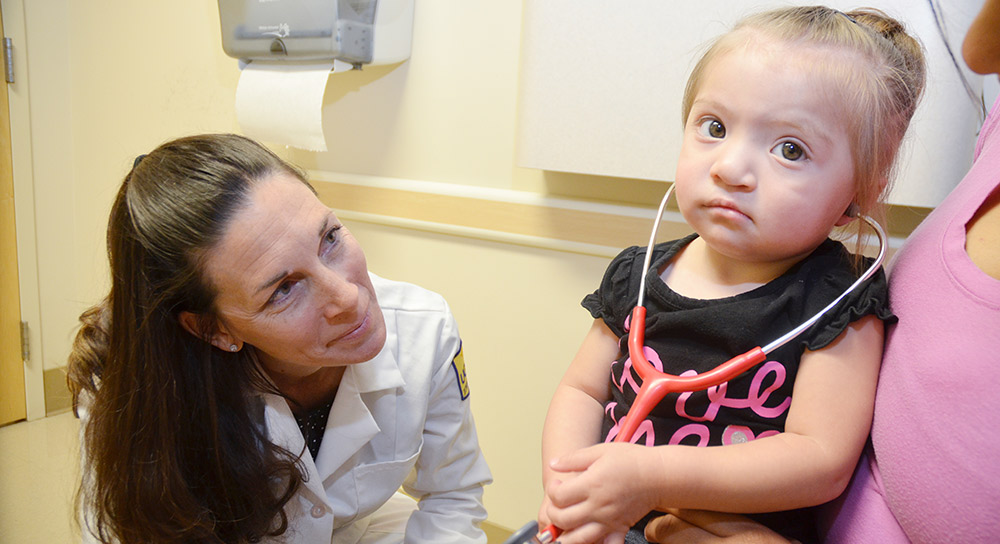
pixel 458 364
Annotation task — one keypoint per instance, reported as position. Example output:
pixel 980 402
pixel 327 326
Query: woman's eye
pixel 790 151
pixel 281 292
pixel 712 128
pixel 330 239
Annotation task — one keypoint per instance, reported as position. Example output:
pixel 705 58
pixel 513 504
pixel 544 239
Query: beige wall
pixel 107 81
pixel 102 82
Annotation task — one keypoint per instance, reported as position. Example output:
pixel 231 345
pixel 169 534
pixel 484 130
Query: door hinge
pixel 8 59
pixel 25 352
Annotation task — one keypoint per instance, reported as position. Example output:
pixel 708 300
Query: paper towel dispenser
pixel 354 31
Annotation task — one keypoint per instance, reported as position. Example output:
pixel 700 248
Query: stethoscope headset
pixel 657 384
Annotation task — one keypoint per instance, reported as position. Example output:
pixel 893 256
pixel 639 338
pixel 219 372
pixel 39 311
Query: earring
pixel 233 348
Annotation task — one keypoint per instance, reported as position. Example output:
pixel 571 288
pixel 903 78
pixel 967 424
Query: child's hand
pixel 601 491
pixel 580 532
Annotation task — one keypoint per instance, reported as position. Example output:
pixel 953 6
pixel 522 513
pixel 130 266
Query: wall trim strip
pixel 498 215
pixel 514 217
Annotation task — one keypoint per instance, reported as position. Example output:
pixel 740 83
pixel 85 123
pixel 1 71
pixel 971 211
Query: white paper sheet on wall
pixel 601 87
pixel 282 102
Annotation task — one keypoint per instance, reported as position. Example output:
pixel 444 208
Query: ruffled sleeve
pixel 831 274
pixel 613 301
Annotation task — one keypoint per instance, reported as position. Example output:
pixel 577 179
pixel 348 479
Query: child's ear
pixel 883 182
pixel 217 334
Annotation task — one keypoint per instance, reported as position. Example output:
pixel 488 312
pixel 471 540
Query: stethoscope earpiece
pixel 853 211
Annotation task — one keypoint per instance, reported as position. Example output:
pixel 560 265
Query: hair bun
pixel 877 21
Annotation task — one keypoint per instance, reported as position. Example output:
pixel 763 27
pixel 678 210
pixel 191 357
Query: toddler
pixel 792 123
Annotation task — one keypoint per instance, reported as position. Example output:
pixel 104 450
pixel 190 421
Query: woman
pixel 247 378
pixel 932 473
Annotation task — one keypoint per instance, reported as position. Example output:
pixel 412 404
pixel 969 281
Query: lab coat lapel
pixel 284 432
pixel 352 424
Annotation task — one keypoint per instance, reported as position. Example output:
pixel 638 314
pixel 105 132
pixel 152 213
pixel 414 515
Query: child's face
pixel 765 169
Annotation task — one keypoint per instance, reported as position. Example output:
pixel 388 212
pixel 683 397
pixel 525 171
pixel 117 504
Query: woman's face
pixel 293 283
pixel 981 47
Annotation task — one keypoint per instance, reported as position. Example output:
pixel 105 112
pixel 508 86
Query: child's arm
pixel 810 463
pixel 575 413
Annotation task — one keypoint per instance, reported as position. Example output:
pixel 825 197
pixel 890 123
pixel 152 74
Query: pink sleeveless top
pixel 935 476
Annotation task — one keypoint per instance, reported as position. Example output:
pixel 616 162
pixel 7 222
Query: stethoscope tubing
pixel 656 384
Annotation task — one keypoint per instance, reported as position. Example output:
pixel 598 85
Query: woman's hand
pixel 598 492
pixel 704 527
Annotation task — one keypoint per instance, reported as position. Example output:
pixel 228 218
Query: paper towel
pixel 282 103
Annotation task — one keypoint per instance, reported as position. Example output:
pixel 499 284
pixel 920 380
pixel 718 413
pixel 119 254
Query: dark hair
pixel 175 441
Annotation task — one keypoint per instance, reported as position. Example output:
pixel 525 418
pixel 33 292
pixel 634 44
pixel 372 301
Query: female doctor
pixel 247 379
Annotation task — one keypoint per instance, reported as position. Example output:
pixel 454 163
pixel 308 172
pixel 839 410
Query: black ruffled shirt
pixel 692 335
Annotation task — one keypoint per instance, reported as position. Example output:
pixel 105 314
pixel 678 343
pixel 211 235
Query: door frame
pixel 24 207
pixel 12 401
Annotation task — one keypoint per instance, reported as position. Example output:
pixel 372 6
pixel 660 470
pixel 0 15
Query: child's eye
pixel 712 128
pixel 790 151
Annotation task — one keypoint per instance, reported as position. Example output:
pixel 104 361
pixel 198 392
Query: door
pixel 12 400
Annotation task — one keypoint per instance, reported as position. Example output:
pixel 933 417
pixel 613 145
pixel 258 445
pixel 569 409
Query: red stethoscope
pixel 656 384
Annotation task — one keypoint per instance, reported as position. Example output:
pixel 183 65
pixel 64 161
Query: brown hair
pixel 881 81
pixel 175 442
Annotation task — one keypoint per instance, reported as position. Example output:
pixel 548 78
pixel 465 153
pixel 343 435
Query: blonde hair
pixel 882 92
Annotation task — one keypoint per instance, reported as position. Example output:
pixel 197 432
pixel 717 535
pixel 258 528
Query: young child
pixel 790 120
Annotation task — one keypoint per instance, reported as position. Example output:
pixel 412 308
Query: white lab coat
pixel 400 419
